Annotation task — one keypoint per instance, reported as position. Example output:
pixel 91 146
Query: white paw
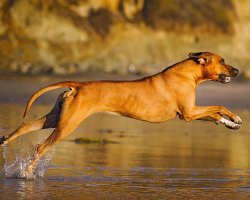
pixel 238 120
pixel 233 126
pixel 229 124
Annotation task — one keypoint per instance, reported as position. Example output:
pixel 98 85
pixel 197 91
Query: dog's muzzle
pixel 226 79
pixel 235 72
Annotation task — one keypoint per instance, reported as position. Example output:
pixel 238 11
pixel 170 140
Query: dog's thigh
pixel 48 121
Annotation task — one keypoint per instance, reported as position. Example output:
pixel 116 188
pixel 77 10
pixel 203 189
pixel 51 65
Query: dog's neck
pixel 190 69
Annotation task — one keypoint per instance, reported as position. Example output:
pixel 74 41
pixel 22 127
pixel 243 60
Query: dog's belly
pixel 156 117
pixel 148 116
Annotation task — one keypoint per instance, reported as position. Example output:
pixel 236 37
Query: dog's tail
pixel 72 84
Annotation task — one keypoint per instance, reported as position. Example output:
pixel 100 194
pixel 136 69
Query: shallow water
pixel 171 160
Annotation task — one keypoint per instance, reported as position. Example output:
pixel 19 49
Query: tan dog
pixel 155 98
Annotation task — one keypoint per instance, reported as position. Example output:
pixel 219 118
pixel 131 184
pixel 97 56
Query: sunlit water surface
pixel 172 160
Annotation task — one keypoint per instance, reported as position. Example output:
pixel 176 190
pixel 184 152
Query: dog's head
pixel 214 67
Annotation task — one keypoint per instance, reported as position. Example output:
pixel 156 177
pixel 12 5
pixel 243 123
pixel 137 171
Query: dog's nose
pixel 235 71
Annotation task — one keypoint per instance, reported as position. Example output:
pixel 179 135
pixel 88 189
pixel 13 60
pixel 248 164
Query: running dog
pixel 155 98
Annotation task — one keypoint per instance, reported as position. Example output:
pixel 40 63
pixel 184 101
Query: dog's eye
pixel 222 62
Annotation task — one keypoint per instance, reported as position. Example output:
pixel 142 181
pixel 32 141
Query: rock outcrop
pixel 123 36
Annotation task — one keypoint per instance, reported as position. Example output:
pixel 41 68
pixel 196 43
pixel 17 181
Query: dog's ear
pixel 200 58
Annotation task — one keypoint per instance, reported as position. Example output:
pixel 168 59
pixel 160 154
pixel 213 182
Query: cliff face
pixel 63 37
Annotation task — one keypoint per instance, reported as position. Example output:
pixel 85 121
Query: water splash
pixel 17 163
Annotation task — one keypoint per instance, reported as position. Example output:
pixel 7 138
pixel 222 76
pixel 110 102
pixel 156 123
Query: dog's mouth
pixel 224 79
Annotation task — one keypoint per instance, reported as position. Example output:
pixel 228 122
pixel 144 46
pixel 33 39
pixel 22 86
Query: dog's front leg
pixel 211 112
pixel 224 111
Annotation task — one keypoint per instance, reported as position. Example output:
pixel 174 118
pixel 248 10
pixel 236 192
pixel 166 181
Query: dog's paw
pixel 27 174
pixel 3 140
pixel 24 174
pixel 233 126
pixel 229 124
pixel 237 120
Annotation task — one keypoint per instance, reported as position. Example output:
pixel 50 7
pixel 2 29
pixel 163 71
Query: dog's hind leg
pixel 71 116
pixel 48 121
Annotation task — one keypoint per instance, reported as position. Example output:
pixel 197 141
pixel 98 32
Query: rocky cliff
pixel 136 36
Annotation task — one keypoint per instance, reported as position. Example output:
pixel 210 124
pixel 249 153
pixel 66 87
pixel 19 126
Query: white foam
pixel 15 166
